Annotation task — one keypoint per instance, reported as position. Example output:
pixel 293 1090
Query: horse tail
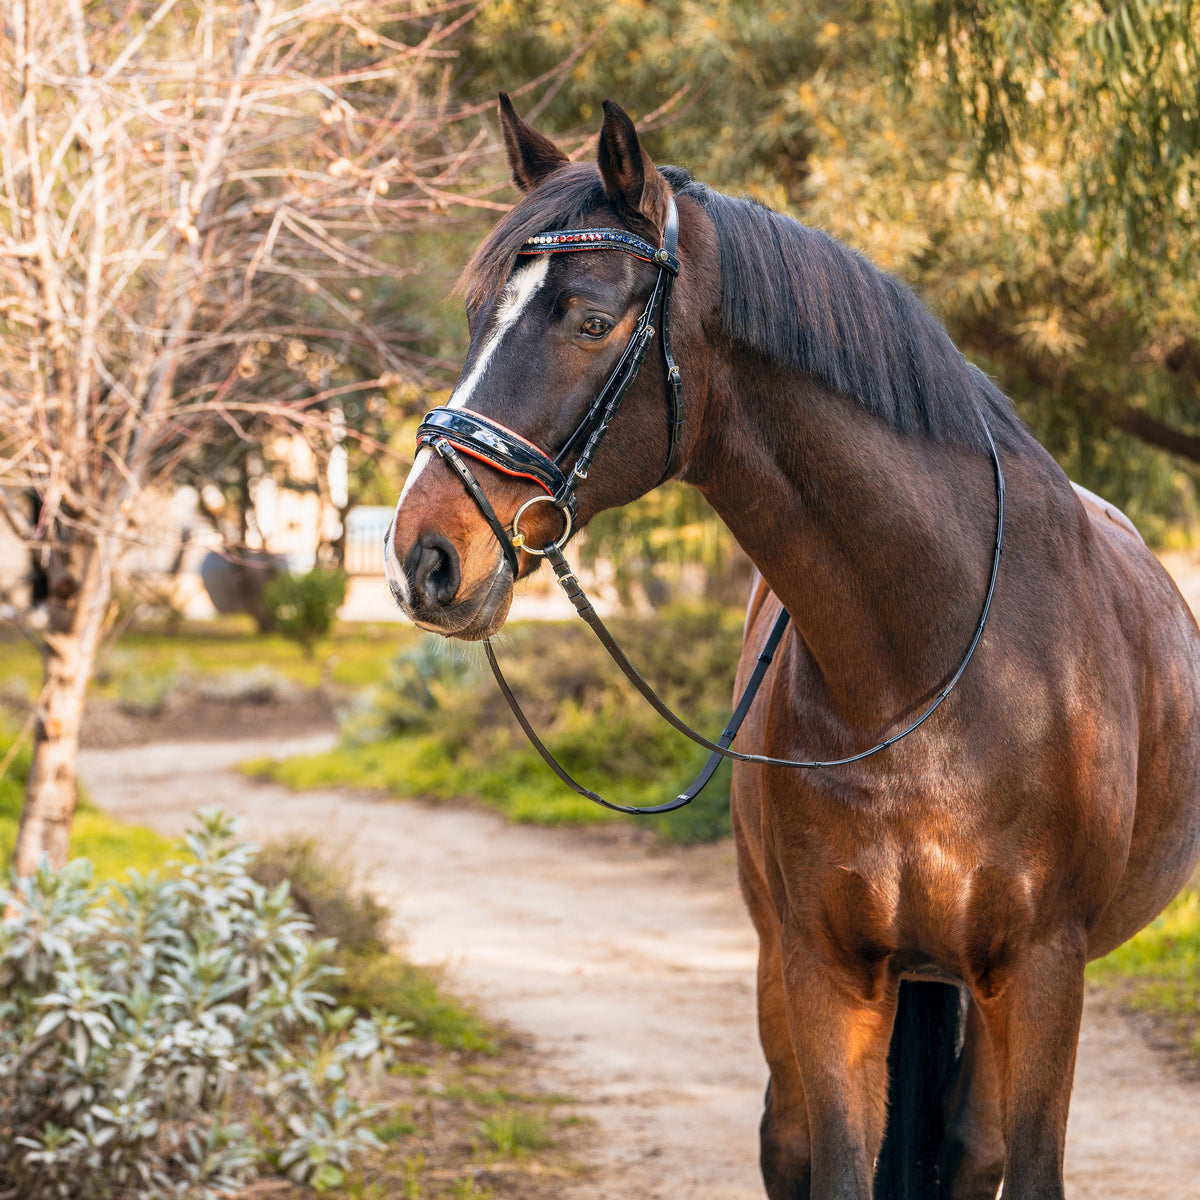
pixel 923 1061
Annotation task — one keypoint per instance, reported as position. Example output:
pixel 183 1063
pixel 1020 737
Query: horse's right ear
pixel 531 157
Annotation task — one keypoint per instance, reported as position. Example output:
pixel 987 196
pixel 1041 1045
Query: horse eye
pixel 595 327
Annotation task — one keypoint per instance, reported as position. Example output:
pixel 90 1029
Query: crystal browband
pixel 601 239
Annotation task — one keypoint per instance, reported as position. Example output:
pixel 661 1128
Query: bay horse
pixel 924 914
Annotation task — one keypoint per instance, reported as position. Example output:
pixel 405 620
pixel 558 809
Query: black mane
pixel 803 300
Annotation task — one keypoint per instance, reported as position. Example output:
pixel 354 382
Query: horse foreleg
pixel 783 1134
pixel 1033 1006
pixel 784 1150
pixel 840 1029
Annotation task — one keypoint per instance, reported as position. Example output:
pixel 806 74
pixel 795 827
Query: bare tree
pixel 189 193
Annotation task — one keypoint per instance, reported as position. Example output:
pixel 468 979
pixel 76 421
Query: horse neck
pixel 878 543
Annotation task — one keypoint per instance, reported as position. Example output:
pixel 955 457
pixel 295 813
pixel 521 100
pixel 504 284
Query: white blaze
pixel 520 289
pixel 518 292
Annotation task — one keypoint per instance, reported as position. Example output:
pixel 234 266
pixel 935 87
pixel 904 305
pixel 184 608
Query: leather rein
pixel 455 432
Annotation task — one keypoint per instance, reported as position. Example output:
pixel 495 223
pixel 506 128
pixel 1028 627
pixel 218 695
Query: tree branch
pixel 1154 432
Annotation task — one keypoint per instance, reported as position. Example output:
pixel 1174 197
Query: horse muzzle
pixel 426 579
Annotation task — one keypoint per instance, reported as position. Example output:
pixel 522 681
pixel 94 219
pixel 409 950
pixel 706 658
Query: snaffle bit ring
pixel 518 538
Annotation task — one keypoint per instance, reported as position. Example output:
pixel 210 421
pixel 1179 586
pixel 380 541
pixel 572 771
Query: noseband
pixel 453 432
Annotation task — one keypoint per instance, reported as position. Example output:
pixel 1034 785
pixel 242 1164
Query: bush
pixel 137 1021
pixel 324 892
pixel 304 606
pixel 421 683
pixel 370 978
pixel 438 727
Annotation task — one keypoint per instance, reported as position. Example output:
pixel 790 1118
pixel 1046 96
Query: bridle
pixel 454 432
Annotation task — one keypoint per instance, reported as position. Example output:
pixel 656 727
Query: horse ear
pixel 531 157
pixel 631 181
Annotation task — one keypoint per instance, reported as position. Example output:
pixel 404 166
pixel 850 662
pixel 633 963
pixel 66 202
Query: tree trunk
pixel 78 611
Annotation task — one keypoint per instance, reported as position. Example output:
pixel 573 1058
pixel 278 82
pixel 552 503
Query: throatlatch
pixel 453 432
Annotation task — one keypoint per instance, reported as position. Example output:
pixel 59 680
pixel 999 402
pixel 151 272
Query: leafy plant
pixel 304 606
pixel 370 976
pixel 421 681
pixel 440 730
pixel 137 1020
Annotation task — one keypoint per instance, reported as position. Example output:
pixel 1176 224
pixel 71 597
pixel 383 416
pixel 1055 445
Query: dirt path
pixel 630 968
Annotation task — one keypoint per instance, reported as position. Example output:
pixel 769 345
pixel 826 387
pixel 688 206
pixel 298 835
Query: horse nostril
pixel 433 568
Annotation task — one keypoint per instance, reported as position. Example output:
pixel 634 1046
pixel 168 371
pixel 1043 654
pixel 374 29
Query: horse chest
pixel 893 894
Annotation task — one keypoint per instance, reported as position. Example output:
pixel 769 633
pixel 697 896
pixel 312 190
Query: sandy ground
pixel 629 967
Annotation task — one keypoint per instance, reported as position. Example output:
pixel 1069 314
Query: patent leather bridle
pixel 455 432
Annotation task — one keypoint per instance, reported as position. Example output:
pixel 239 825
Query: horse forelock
pixel 799 297
pixel 559 202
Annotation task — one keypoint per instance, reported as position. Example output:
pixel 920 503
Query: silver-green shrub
pixel 169 1036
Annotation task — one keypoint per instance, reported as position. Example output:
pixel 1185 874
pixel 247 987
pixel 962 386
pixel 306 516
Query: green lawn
pixel 112 846
pixel 1158 971
pixel 352 657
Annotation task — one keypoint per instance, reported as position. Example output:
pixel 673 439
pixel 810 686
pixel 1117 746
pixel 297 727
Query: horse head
pixel 549 331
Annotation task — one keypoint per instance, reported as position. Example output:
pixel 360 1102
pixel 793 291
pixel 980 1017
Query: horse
pixel 924 913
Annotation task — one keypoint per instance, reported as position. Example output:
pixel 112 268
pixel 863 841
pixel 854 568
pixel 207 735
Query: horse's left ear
pixel 631 181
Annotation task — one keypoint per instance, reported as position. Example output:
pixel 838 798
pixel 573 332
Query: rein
pixel 454 432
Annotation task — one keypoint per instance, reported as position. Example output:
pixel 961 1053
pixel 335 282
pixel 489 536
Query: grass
pixel 514 1132
pixel 113 847
pixel 516 783
pixel 1158 971
pixel 349 657
pixel 437 729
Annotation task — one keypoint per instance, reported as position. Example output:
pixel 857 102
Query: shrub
pixel 137 1021
pixel 438 727
pixel 420 684
pixel 324 892
pixel 370 978
pixel 304 606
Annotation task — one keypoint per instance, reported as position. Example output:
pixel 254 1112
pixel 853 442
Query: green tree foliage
pixel 713 85
pixel 1082 132
pixel 1108 91
pixel 305 606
